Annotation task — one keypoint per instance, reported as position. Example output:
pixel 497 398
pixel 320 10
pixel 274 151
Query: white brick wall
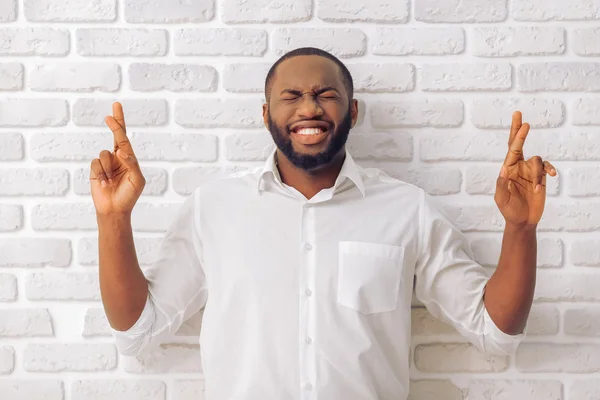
pixel 436 80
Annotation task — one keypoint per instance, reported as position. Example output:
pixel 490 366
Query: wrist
pixel 520 227
pixel 111 219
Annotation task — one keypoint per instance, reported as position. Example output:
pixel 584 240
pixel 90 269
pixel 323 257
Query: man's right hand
pixel 115 177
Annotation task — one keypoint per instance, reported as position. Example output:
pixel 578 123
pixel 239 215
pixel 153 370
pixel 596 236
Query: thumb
pixel 502 195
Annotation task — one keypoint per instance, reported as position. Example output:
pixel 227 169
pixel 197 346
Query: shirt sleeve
pixel 177 286
pixel 451 284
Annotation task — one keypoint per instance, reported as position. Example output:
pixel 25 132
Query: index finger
pixel 515 149
pixel 121 140
pixel 119 116
pixel 517 122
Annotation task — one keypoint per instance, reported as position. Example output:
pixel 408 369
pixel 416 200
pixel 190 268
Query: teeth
pixel 309 131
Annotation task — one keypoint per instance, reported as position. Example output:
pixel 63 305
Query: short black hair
pixel 310 51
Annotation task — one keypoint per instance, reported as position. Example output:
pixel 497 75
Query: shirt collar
pixel 349 170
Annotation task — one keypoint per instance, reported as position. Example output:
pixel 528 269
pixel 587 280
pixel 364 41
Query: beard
pixel 308 162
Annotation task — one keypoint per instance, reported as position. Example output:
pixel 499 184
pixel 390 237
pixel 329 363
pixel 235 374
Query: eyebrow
pixel 317 91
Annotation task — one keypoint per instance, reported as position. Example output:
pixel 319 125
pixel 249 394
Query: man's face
pixel 309 114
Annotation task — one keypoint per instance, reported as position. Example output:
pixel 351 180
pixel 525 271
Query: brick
pixel 417 113
pixel 555 357
pixel 148 217
pixel 515 389
pixel 159 11
pixel 448 146
pixel 8 288
pixel 543 320
pixel 487 252
pixel 11 217
pixel 383 11
pixel 17 322
pixel 34 42
pixel 342 42
pixel 62 286
pixel 35 252
pixel 221 42
pixel 460 11
pixel 63 216
pixel 380 146
pixel 147 250
pixel 584 390
pixel 580 286
pixel 95 323
pixel 585 252
pixel 482 180
pixel 121 42
pixel 497 112
pixel 514 41
pixel 582 181
pixel 418 41
pixel 465 77
pixel 382 78
pixel 572 217
pixel 219 113
pixel 172 77
pixel 476 217
pixel 156 181
pixel 167 358
pixel 8 11
pixel 568 146
pixel 188 389
pixel 559 76
pixel 434 389
pixel 435 181
pixel 70 10
pixel 424 324
pixel 457 357
pixel 48 147
pixel 33 181
pixel 586 41
pixel 138 112
pixel 175 147
pixel 540 10
pixel 582 321
pixel 32 389
pixel 245 77
pixel 11 146
pixel 33 112
pixel 11 76
pixel 74 357
pixel 7 360
pixel 586 111
pixel 262 11
pixel 187 179
pixel 75 77
pixel 248 146
pixel 118 389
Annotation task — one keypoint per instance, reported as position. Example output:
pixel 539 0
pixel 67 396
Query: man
pixel 305 266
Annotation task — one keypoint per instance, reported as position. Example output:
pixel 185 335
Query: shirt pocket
pixel 369 276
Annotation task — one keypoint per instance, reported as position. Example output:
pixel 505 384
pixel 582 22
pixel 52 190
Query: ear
pixel 354 111
pixel 265 113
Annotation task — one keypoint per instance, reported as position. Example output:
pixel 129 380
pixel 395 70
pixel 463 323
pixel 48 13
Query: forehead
pixel 306 72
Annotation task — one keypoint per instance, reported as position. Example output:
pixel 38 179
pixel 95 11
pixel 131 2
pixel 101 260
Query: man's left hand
pixel 521 187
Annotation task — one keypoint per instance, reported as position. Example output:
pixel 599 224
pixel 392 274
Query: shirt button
pixel 308 386
pixel 308 292
pixel 308 247
pixel 308 340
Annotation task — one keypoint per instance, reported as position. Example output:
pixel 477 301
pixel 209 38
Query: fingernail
pixel 110 182
pixel 538 188
pixel 103 183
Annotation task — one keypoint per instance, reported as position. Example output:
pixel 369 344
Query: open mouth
pixel 310 135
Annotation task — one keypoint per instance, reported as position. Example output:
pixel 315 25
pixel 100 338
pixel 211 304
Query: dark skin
pixel 298 95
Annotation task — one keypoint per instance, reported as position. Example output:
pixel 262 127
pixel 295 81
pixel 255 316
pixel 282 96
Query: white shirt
pixel 310 299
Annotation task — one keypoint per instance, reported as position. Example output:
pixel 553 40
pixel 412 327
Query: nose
pixel 309 108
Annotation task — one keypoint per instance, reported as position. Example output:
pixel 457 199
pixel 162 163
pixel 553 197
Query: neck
pixel 309 183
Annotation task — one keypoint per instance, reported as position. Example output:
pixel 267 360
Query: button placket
pixel 306 281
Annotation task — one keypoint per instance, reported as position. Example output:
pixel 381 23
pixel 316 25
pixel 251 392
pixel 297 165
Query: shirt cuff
pixel 503 342
pixel 142 325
